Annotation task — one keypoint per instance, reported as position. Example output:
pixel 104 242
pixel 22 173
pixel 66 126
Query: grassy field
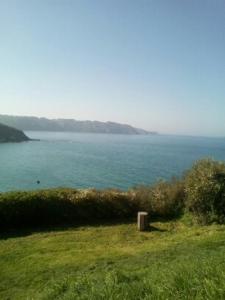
pixel 172 261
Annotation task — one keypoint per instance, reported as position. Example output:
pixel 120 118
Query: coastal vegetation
pixel 83 244
pixel 205 191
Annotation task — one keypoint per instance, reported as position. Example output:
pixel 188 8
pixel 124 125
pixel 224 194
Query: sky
pixel 154 64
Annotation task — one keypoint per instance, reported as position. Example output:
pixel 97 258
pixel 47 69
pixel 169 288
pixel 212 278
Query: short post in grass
pixel 142 220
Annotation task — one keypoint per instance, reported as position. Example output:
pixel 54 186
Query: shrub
pixel 70 206
pixel 205 191
pixel 164 199
pixel 63 206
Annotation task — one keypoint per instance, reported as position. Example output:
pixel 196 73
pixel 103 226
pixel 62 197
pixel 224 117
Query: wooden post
pixel 142 220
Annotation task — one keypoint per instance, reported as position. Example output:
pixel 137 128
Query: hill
pixel 9 134
pixel 44 124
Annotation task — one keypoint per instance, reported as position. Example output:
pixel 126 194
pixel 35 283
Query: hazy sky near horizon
pixel 155 64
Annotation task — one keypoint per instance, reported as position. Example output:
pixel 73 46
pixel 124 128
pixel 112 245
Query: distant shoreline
pixel 71 125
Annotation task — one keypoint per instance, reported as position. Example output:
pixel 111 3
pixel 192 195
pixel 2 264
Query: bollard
pixel 142 220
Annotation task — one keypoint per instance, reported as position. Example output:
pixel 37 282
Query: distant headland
pixel 70 125
pixel 11 135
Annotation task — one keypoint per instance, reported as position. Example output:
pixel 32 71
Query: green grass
pixel 173 261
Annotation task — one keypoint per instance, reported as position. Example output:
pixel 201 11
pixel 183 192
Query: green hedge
pixel 70 206
pixel 63 206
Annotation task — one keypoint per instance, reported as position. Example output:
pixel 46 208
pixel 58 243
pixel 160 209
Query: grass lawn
pixel 173 261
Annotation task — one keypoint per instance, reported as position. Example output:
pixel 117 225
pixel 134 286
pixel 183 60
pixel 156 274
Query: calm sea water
pixel 100 160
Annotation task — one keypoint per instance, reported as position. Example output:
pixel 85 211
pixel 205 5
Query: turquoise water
pixel 100 160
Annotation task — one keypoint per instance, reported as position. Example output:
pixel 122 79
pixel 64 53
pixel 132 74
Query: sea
pixel 100 161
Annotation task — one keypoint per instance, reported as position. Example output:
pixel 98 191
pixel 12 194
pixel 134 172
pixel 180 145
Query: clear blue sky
pixel 156 64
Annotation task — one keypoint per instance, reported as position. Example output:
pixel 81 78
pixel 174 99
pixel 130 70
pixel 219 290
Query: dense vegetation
pixel 205 191
pixel 201 192
pixel 9 134
pixel 63 206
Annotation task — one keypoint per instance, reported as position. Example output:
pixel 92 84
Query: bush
pixel 164 199
pixel 70 206
pixel 63 206
pixel 205 191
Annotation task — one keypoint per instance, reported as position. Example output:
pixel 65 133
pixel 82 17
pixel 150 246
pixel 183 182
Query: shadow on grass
pixel 26 231
pixel 22 232
pixel 153 228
